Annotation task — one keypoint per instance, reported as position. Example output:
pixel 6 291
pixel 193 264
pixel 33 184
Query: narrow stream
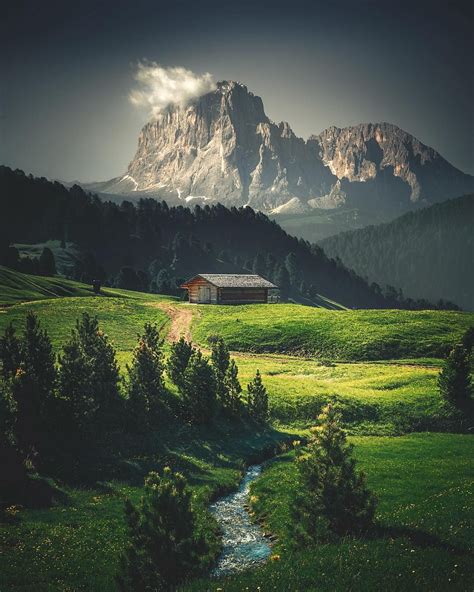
pixel 244 545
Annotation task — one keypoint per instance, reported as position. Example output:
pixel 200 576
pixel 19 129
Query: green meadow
pixel 380 366
pixel 328 334
pixel 424 541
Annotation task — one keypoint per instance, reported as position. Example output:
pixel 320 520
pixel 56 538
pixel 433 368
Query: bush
pixel 164 548
pixel 454 380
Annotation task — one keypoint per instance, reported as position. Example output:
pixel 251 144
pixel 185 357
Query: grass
pixel 378 396
pixel 121 314
pixel 340 335
pixel 65 258
pixel 422 480
pixel 19 287
pixel 425 486
pixel 77 546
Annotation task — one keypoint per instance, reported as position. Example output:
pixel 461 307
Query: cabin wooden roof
pixel 233 280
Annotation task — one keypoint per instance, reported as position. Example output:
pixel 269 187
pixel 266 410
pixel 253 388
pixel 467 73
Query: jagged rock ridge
pixel 223 148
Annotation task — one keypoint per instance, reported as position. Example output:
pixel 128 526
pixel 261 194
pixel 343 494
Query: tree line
pixel 149 246
pixel 427 253
pixel 56 411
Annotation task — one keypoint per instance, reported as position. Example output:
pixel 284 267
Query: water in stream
pixel 244 545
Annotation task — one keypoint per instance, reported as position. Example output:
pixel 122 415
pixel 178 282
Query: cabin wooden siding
pixel 230 289
pixel 197 294
pixel 242 295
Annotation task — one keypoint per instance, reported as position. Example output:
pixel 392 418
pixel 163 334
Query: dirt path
pixel 181 317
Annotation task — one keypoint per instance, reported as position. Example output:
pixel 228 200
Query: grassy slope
pixel 425 485
pixel 64 257
pixel 343 335
pixel 381 396
pixel 18 287
pixel 77 546
pixel 121 313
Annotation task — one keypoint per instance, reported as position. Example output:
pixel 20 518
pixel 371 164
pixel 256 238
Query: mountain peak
pixel 223 148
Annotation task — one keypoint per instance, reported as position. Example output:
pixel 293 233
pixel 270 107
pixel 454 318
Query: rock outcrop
pixel 223 148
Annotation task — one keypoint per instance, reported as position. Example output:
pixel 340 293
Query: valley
pixel 391 408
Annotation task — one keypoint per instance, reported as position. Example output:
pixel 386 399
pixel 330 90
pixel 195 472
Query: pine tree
pixel 468 340
pixel 13 472
pixel 454 380
pixel 33 388
pixel 164 284
pixel 145 384
pixel 220 360
pixel 233 388
pixel 258 265
pixel 164 548
pixel 332 496
pixel 178 360
pixel 10 352
pixel 257 399
pixel 282 280
pixel 38 357
pixel 89 375
pixel 199 389
pixel 291 264
pixel 47 264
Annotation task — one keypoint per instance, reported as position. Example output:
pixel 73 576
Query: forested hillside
pixel 152 247
pixel 427 253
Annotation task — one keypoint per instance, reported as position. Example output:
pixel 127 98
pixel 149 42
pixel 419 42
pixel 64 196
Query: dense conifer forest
pixel 152 247
pixel 428 253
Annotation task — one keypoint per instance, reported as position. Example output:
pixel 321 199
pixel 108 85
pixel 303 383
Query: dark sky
pixel 67 69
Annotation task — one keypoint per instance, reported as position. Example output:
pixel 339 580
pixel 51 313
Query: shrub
pixel 454 380
pixel 164 548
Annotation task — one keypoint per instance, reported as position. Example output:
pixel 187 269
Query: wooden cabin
pixel 230 288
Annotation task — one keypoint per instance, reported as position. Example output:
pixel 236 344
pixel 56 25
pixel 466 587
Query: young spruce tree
pixel 10 352
pixel 257 399
pixel 145 385
pixel 199 389
pixel 332 496
pixel 455 380
pixel 33 389
pixel 89 376
pixel 220 360
pixel 164 548
pixel 233 388
pixel 178 360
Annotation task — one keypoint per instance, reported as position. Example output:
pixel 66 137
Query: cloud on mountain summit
pixel 158 87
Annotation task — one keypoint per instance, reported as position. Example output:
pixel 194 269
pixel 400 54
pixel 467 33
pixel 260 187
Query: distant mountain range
pixel 429 252
pixel 223 148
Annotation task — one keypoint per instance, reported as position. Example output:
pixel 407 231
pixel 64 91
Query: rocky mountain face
pixel 223 148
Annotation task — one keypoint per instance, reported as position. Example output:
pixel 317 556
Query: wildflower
pixel 275 557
